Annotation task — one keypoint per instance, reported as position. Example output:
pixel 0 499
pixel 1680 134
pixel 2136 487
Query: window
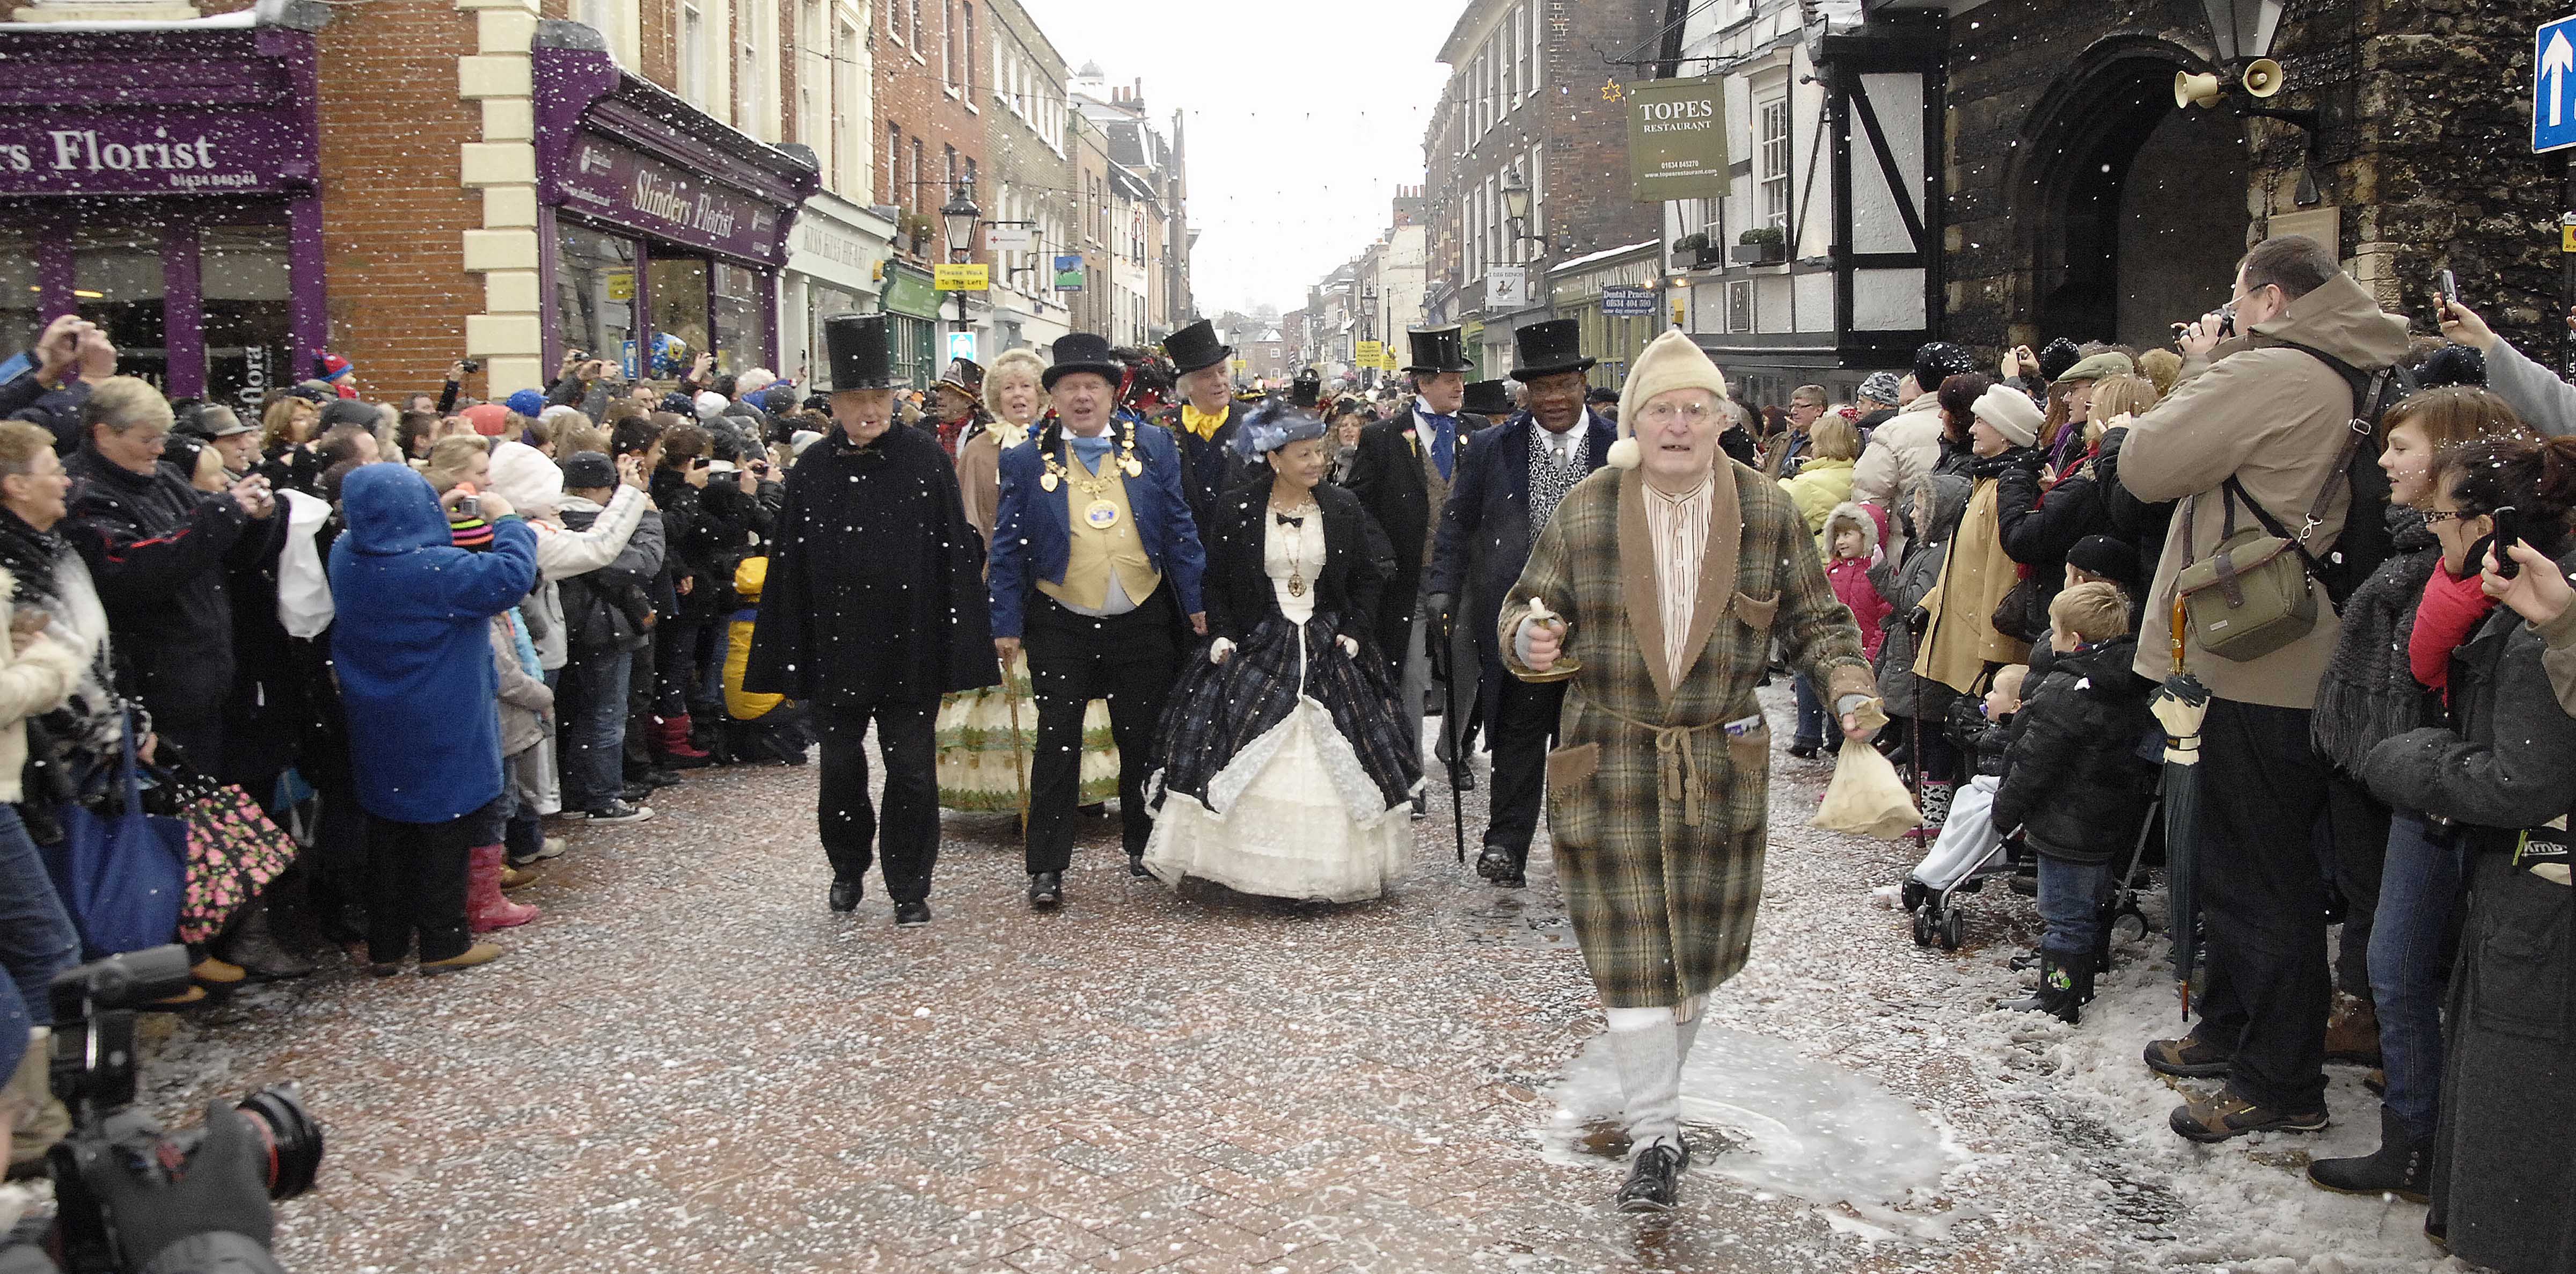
pixel 595 290
pixel 1537 44
pixel 948 178
pixel 1739 306
pixel 916 24
pixel 1511 39
pixel 1775 163
pixel 246 303
pixel 751 85
pixel 693 55
pixel 970 178
pixel 966 49
pixel 911 190
pixel 849 109
pixel 893 171
pixel 948 53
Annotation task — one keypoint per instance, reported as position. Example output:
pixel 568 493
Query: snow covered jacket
pixel 1850 576
pixel 33 682
pixel 1905 586
pixel 533 485
pixel 1900 451
pixel 413 645
pixel 2073 781
pixel 615 594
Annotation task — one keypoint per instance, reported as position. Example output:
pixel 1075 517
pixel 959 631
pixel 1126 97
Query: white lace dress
pixel 1294 814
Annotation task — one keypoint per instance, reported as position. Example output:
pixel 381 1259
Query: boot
pixel 212 971
pixel 676 751
pixel 485 908
pixel 1936 805
pixel 479 953
pixel 2352 1034
pixel 2065 983
pixel 31 1090
pixel 2402 1166
pixel 514 877
pixel 253 945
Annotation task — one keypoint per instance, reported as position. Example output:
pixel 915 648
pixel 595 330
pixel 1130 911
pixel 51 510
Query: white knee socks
pixel 1649 1061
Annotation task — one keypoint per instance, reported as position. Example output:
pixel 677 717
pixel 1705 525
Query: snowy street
pixel 689 1064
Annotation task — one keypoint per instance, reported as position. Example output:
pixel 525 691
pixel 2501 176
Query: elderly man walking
pixel 1669 575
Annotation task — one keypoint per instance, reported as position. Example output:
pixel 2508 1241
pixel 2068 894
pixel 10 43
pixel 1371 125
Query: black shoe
pixel 1501 866
pixel 911 915
pixel 1466 774
pixel 1136 867
pixel 1046 889
pixel 657 778
pixel 846 894
pixel 2402 1166
pixel 1803 751
pixel 1421 806
pixel 2024 963
pixel 1655 1178
pixel 1097 809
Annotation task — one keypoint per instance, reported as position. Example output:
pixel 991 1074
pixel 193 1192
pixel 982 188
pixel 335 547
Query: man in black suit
pixel 1402 474
pixel 1504 494
pixel 1205 419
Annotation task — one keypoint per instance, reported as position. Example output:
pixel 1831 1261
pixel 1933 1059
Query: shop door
pixel 249 313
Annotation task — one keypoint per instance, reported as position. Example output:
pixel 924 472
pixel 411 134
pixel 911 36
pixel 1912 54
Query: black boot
pixel 1046 889
pixel 2065 984
pixel 846 894
pixel 1136 867
pixel 1499 865
pixel 1655 1178
pixel 2402 1166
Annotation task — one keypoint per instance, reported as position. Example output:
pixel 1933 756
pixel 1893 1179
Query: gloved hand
pixel 223 1185
pixel 1220 650
pixel 1350 645
pixel 1437 607
pixel 1918 620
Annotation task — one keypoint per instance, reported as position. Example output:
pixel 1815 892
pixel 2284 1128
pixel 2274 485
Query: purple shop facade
pixel 129 145
pixel 621 160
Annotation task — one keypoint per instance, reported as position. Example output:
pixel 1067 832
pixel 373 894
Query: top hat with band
pixel 1439 349
pixel 1545 349
pixel 1083 352
pixel 1489 398
pixel 860 349
pixel 1196 347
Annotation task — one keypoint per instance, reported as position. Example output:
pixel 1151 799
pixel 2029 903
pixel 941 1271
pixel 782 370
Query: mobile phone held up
pixel 2450 289
pixel 2508 532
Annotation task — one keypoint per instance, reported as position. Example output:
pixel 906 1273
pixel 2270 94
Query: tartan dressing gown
pixel 1664 907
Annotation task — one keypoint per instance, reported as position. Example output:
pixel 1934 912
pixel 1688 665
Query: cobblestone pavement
pixel 689 1064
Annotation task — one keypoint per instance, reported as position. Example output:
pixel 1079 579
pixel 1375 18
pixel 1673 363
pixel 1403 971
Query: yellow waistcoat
pixel 1095 552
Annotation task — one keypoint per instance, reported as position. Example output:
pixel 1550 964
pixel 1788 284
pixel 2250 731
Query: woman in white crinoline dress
pixel 1286 771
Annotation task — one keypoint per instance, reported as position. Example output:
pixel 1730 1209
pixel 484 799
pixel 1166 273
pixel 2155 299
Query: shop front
pixel 833 260
pixel 662 231
pixel 912 302
pixel 1575 291
pixel 162 179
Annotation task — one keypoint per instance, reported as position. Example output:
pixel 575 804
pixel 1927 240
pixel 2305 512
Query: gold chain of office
pixel 1100 514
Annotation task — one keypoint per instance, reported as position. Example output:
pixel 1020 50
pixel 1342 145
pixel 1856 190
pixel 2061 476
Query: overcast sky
pixel 1303 117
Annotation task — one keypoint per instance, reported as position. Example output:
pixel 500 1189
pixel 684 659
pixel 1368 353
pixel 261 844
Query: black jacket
pixel 1209 467
pixel 1485 534
pixel 159 549
pixel 2142 524
pixel 2039 528
pixel 876 579
pixel 1986 740
pixel 1387 477
pixel 1346 586
pixel 2074 784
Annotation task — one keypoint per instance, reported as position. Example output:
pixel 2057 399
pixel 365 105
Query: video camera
pixel 93 1074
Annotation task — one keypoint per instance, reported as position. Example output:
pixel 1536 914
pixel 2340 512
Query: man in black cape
pixel 874 608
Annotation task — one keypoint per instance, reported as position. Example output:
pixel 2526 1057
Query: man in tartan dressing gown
pixel 1672 571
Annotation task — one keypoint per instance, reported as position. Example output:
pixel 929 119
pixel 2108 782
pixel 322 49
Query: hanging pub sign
pixel 1677 139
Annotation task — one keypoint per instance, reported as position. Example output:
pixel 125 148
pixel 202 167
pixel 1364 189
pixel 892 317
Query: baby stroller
pixel 1968 853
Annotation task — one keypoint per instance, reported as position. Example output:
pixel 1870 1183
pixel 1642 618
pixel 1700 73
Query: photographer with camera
pixel 581 382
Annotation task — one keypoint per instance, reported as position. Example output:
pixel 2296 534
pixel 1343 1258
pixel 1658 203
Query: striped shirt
pixel 1679 527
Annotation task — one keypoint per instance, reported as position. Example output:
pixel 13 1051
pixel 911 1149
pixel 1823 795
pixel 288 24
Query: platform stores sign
pixel 1677 138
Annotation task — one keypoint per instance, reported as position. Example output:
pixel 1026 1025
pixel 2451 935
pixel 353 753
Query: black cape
pixel 876 579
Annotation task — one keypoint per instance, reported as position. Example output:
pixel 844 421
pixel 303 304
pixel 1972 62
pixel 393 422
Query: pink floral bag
pixel 234 850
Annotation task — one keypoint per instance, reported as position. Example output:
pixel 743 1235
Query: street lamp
pixel 1368 324
pixel 2242 29
pixel 958 221
pixel 1516 196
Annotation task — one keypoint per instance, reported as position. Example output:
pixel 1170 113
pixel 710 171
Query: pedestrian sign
pixel 1368 353
pixel 962 278
pixel 2553 87
pixel 961 345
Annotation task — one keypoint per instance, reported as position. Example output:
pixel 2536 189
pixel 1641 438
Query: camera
pixel 470 365
pixel 92 1068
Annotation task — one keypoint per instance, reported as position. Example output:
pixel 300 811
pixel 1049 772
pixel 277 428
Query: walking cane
pixel 1019 748
pixel 1449 728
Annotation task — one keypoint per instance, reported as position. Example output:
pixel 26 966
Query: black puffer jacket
pixel 2142 524
pixel 2039 527
pixel 2369 693
pixel 1988 740
pixel 2074 783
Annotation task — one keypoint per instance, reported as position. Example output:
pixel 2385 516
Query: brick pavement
pixel 689 1064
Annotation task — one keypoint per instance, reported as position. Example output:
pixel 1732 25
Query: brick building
pixel 933 67
pixel 1523 103
pixel 1094 208
pixel 1029 186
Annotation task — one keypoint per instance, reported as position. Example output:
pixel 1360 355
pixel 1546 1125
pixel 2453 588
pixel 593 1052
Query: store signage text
pixel 160 154
pixel 617 183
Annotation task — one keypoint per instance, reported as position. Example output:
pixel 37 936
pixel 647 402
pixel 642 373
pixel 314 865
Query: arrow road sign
pixel 2553 98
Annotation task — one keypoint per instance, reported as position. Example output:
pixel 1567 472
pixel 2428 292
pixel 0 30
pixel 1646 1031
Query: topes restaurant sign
pixel 183 152
pixel 1677 138
pixel 615 182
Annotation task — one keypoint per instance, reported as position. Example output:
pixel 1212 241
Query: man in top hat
pixel 1491 399
pixel 1402 475
pixel 1095 564
pixel 872 610
pixel 1669 576
pixel 957 404
pixel 1205 419
pixel 1505 494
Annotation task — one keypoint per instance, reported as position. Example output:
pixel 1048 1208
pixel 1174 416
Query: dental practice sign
pixel 177 152
pixel 1677 138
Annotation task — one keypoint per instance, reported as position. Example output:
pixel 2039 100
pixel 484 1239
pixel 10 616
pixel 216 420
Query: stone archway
pixel 2129 213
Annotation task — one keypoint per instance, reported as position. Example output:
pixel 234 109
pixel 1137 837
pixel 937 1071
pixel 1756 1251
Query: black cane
pixel 1449 725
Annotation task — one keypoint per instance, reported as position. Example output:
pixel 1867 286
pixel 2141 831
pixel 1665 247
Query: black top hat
pixel 1307 389
pixel 860 349
pixel 1488 398
pixel 1544 349
pixel 1195 347
pixel 1083 352
pixel 1439 349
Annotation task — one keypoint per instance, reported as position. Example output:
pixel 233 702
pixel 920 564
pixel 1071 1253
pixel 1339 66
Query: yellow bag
pixel 1866 798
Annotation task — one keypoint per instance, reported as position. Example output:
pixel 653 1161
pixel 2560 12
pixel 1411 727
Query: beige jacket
pixel 2274 418
pixel 1899 453
pixel 32 683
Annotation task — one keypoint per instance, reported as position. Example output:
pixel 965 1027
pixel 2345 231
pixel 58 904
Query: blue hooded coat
pixel 413 646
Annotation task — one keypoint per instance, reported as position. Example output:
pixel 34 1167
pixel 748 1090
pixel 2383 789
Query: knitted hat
pixel 709 404
pixel 2012 414
pixel 489 419
pixel 334 367
pixel 2107 363
pixel 1879 387
pixel 1937 361
pixel 588 471
pixel 471 533
pixel 527 402
pixel 2449 365
pixel 2058 355
pixel 1671 361
pixel 798 441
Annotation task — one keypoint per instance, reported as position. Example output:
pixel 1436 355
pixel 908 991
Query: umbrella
pixel 2180 705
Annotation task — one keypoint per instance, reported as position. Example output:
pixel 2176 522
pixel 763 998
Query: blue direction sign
pixel 2553 87
pixel 1627 302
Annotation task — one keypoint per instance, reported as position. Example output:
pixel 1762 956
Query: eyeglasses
pixel 1665 413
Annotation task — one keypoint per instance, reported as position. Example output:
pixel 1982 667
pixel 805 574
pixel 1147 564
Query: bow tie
pixel 1285 520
